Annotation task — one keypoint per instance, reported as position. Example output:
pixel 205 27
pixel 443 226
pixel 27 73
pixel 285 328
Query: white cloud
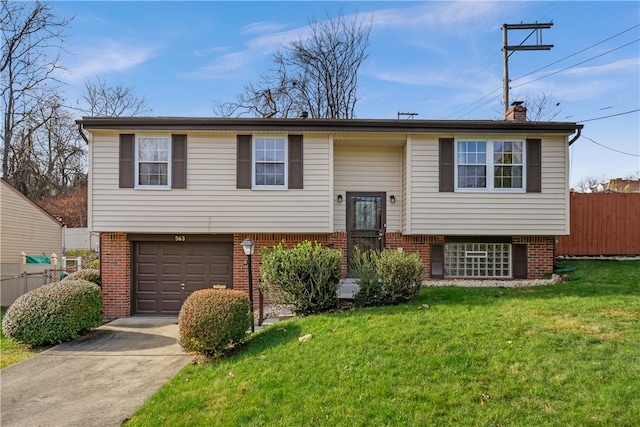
pixel 435 15
pixel 255 50
pixel 223 66
pixel 112 56
pixel 624 65
pixel 262 27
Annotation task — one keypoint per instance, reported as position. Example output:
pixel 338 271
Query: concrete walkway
pixel 98 380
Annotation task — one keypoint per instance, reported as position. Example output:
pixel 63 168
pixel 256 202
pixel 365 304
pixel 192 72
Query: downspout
pixel 574 138
pixel 87 140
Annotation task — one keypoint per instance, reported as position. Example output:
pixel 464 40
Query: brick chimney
pixel 517 112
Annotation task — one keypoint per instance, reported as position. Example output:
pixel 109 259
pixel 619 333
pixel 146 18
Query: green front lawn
pixel 10 351
pixel 566 355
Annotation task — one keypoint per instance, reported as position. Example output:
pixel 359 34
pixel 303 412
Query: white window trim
pixel 489 165
pixel 137 163
pixel 254 186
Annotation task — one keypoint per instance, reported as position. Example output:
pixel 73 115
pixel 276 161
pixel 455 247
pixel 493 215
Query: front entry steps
pixel 274 314
pixel 348 289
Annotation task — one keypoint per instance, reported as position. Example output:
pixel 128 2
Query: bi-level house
pixel 173 198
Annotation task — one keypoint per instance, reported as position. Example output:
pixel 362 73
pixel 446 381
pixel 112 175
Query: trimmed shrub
pixel 386 277
pixel 306 277
pixel 213 320
pixel 54 313
pixel 89 274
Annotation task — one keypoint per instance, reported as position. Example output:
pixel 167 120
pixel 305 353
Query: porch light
pixel 340 198
pixel 248 246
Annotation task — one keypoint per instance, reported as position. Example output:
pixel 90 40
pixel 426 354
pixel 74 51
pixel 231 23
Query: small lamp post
pixel 248 246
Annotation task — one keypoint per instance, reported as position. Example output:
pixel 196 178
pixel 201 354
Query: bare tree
pixel 588 183
pixel 318 74
pixel 32 41
pixel 632 176
pixel 540 108
pixel 112 101
pixel 47 155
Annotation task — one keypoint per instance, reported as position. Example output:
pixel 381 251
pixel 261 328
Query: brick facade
pixel 540 254
pixel 116 259
pixel 115 272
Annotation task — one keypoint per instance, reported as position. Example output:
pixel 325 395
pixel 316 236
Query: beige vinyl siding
pixel 406 195
pixel 490 213
pixel 368 169
pixel 211 203
pixel 24 227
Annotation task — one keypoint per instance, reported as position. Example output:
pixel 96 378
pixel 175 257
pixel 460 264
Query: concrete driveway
pixel 98 380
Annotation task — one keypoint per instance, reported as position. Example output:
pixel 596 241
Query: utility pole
pixel 537 30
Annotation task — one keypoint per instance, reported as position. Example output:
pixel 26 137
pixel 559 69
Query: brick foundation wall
pixel 115 273
pixel 540 254
pixel 240 268
pixel 116 259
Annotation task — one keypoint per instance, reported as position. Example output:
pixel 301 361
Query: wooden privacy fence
pixel 602 224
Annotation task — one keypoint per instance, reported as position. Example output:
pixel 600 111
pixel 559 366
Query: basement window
pixel 477 260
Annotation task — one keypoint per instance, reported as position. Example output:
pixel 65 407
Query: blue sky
pixel 442 60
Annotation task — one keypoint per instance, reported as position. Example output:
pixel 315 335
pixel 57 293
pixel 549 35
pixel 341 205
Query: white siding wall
pixel 432 212
pixel 210 203
pixel 368 169
pixel 24 227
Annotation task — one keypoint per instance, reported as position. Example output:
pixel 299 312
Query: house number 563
pixel 180 238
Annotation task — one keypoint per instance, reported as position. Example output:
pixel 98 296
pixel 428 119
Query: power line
pixel 612 149
pixel 546 66
pixel 578 52
pixel 606 117
pixel 575 65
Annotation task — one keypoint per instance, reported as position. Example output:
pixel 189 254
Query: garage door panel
pixel 194 285
pixel 170 287
pixel 195 269
pixel 146 286
pixel 160 268
pixel 147 249
pixel 171 305
pixel 219 270
pixel 171 268
pixel 150 268
pixel 171 249
pixel 146 306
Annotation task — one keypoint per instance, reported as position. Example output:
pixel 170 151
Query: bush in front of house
pixel 306 277
pixel 54 313
pixel 89 274
pixel 386 277
pixel 213 320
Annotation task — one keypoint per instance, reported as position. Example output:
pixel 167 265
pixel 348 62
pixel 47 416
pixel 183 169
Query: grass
pixel 566 354
pixel 11 351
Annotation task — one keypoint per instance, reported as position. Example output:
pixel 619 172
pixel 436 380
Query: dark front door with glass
pixel 366 221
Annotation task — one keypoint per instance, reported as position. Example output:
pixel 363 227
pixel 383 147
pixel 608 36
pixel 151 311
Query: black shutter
pixel 243 171
pixel 178 161
pixel 437 261
pixel 296 171
pixel 519 261
pixel 534 165
pixel 446 165
pixel 127 158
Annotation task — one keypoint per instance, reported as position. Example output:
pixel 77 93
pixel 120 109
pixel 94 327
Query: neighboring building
pixel 25 228
pixel 620 185
pixel 173 198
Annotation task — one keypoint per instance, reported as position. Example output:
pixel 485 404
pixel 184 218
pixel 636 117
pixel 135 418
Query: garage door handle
pixel 182 285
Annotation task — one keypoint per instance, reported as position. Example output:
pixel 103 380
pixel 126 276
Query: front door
pixel 366 221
